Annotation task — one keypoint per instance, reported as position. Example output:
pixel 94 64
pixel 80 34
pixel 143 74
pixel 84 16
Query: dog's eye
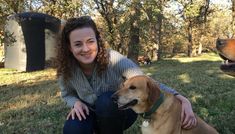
pixel 132 87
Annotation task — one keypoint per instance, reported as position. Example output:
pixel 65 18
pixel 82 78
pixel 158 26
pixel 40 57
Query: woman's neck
pixel 87 69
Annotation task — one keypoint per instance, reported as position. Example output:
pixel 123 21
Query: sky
pixel 226 3
pixel 221 1
pixel 175 6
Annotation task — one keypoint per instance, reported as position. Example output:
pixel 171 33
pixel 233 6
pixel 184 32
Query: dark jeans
pixel 106 119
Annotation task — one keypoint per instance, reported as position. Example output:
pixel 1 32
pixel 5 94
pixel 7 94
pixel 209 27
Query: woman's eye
pixel 78 44
pixel 90 41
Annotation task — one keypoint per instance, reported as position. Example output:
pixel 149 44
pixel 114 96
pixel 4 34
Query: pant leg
pixel 129 118
pixel 110 119
pixel 80 127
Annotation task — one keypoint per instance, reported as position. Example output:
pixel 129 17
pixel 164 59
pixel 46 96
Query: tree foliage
pixel 62 9
pixel 164 27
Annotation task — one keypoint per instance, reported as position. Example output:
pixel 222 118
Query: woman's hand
pixel 188 118
pixel 79 109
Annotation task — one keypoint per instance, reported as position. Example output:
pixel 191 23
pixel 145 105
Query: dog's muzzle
pixel 129 104
pixel 124 106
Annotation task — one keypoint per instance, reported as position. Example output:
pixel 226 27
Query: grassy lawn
pixel 30 103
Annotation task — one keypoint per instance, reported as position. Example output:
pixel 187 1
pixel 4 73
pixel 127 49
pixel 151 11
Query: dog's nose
pixel 220 42
pixel 114 97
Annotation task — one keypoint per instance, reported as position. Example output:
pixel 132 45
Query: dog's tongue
pixel 227 63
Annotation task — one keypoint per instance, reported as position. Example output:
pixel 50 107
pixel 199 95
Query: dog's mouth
pixel 127 105
pixel 227 65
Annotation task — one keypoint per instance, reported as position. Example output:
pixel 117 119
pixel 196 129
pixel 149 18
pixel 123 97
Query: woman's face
pixel 83 45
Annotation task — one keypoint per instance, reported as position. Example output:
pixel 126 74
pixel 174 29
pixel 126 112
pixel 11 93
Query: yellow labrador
pixel 161 110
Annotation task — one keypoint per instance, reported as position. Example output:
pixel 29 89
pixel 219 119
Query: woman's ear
pixel 153 91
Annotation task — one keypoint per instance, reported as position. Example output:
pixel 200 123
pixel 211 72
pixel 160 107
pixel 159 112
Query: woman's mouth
pixel 87 55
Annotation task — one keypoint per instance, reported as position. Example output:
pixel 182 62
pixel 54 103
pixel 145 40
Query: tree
pixel 190 14
pixel 153 27
pixel 7 8
pixel 62 9
pixel 134 44
pixel 109 13
pixel 202 23
pixel 233 17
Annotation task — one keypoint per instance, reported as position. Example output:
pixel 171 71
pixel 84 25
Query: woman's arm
pixel 78 108
pixel 67 93
pixel 167 89
pixel 188 118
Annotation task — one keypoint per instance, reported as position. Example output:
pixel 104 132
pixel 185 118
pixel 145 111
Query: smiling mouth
pixel 227 63
pixel 87 55
pixel 127 105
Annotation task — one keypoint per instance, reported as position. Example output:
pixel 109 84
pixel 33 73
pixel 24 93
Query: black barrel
pixel 33 27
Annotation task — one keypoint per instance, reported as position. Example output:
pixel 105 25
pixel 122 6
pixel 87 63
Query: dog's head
pixel 226 49
pixel 138 93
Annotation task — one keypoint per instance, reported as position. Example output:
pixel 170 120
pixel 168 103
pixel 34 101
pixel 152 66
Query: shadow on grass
pixel 32 108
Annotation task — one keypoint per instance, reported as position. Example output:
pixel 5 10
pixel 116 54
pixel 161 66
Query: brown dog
pixel 161 110
pixel 226 49
pixel 144 60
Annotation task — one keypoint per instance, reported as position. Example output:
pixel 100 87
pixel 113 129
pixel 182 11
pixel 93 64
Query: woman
pixel 89 74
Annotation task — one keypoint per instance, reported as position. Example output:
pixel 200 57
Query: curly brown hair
pixel 65 59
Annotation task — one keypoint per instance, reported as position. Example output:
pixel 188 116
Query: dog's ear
pixel 123 79
pixel 153 91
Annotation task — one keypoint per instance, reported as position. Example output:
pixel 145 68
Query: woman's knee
pixel 108 114
pixel 79 127
pixel 130 118
pixel 105 106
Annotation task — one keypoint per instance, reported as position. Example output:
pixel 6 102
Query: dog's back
pixel 166 120
pixel 170 113
pixel 144 60
pixel 201 128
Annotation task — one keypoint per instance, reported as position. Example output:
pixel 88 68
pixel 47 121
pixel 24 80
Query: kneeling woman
pixel 89 74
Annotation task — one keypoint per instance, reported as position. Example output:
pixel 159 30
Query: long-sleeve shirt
pixel 79 88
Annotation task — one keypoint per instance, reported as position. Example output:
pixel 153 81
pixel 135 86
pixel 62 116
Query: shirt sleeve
pixel 67 93
pixel 167 89
pixel 124 66
pixel 127 68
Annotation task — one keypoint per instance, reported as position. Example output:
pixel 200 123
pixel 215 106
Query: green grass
pixel 30 103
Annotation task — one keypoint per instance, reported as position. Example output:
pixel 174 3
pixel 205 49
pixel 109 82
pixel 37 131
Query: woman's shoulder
pixel 115 55
pixel 115 58
pixel 114 52
pixel 123 65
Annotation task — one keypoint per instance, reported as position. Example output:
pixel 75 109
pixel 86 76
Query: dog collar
pixel 156 105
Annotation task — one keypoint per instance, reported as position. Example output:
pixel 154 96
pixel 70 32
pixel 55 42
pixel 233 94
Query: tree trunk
pixel 106 10
pixel 159 31
pixel 134 46
pixel 199 52
pixel 190 40
pixel 233 17
pixel 203 13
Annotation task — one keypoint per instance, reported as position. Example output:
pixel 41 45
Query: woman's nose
pixel 85 47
